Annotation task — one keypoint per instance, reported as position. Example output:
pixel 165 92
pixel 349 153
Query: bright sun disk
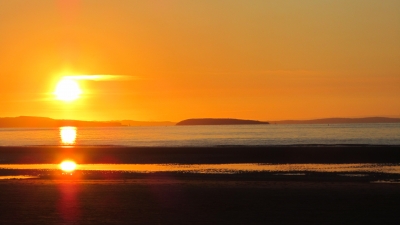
pixel 67 90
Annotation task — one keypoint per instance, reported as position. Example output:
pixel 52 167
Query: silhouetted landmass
pixel 340 120
pixel 146 123
pixel 211 121
pixel 30 121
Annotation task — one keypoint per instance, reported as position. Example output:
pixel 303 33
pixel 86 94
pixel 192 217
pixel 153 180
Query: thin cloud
pixel 101 77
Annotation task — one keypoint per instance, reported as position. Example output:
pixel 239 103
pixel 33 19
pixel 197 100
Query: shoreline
pixel 118 197
pixel 261 176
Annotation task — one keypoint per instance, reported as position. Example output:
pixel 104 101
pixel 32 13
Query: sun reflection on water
pixel 68 135
pixel 68 166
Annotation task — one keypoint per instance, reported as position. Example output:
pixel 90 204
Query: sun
pixel 68 166
pixel 67 90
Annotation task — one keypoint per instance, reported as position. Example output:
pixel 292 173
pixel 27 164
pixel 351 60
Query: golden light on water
pixel 67 90
pixel 68 166
pixel 68 135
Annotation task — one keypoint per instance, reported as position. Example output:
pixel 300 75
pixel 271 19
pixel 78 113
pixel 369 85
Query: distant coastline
pixel 31 121
pixel 218 121
pixel 340 120
pixel 224 121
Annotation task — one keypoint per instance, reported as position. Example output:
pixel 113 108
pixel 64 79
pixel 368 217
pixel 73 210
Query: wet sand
pixel 177 198
pixel 174 201
pixel 204 155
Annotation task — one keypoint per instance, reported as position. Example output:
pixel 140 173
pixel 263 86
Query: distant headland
pixel 215 121
pixel 32 121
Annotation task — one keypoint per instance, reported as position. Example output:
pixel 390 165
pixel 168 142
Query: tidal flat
pixel 328 192
pixel 170 200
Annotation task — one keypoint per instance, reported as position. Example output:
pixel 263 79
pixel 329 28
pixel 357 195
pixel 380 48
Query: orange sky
pixel 265 60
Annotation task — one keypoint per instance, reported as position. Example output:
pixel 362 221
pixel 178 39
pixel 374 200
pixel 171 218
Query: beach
pixel 203 155
pixel 121 197
pixel 199 112
pixel 173 201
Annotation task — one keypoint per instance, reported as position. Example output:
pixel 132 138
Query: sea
pixel 204 136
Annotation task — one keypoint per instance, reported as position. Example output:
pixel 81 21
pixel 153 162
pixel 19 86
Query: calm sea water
pixel 374 134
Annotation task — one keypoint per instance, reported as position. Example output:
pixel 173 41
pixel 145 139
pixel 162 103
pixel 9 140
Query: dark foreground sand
pixel 168 200
pixel 176 198
pixel 219 154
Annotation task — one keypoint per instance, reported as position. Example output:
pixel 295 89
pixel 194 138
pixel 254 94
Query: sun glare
pixel 68 166
pixel 68 135
pixel 67 90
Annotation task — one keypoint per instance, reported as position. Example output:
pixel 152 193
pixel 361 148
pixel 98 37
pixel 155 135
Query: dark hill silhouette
pixel 341 120
pixel 30 121
pixel 214 121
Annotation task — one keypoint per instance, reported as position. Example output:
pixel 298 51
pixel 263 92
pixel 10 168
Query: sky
pixel 178 59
